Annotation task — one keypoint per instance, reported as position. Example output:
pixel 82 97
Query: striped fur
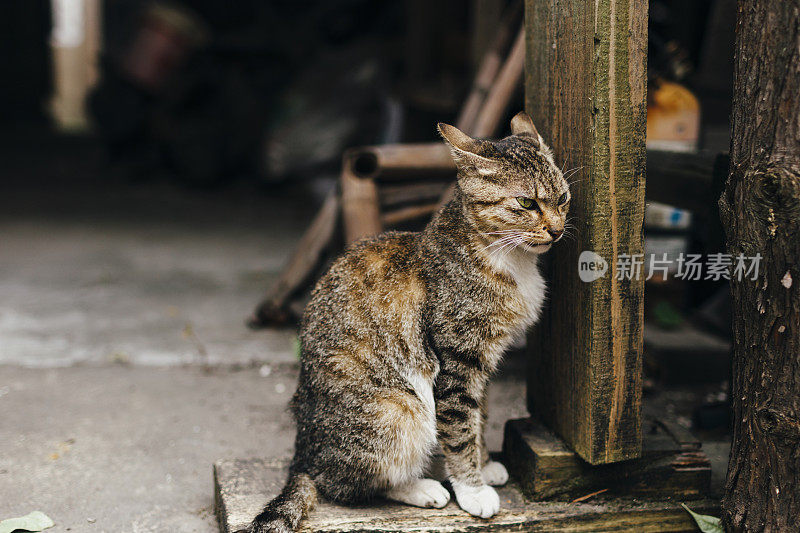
pixel 403 332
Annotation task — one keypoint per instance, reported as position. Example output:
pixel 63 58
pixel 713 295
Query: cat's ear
pixel 467 151
pixel 522 124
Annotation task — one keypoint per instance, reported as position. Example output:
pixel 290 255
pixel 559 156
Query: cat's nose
pixel 555 234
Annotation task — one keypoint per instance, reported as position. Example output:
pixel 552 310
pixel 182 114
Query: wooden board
pixel 243 486
pixel 585 89
pixel 672 465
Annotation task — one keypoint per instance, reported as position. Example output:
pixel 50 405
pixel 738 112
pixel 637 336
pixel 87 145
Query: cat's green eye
pixel 562 199
pixel 527 203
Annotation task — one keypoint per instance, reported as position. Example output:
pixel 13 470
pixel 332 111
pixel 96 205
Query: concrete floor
pixel 96 270
pixel 122 312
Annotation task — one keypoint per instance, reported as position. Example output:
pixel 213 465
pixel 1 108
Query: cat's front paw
pixel 420 493
pixel 481 501
pixel 494 474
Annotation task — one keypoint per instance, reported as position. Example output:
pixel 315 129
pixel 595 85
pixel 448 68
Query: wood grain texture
pixel 585 89
pixel 242 486
pixel 670 467
pixel 760 211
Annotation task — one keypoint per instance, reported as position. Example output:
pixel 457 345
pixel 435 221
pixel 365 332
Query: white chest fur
pixel 523 267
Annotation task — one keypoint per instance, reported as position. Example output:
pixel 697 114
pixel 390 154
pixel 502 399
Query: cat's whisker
pixel 569 170
pixel 500 241
pixel 570 179
pixel 501 232
pixel 517 244
pixel 510 244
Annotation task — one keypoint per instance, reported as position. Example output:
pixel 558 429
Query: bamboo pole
pixel 307 254
pixel 408 214
pixel 498 99
pixel 400 161
pixel 489 67
pixel 394 195
pixel 360 211
pixel 508 81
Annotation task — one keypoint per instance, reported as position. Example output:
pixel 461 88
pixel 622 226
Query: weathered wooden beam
pixel 585 89
pixel 671 466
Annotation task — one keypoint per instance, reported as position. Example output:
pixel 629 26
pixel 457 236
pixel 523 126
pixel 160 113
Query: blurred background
pixel 159 161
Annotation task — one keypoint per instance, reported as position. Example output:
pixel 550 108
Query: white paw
pixel 494 474
pixel 421 493
pixel 480 501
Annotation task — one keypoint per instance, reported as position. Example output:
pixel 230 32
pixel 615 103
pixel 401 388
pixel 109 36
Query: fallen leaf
pixel 706 523
pixel 35 521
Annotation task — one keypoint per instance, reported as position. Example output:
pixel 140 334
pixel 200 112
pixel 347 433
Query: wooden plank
pixel 585 89
pixel 547 468
pixel 411 193
pixel 243 486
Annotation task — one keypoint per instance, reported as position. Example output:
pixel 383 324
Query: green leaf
pixel 296 347
pixel 35 521
pixel 707 524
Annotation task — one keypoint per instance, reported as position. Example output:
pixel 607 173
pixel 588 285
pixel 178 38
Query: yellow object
pixel 673 118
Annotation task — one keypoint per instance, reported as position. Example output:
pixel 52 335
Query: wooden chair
pixel 384 186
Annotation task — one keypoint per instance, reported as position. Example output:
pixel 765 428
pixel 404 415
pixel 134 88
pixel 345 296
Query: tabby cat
pixel 403 332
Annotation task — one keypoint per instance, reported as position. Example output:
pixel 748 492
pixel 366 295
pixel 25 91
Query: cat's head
pixel 514 193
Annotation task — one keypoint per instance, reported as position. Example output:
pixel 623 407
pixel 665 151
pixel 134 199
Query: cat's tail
pixel 283 514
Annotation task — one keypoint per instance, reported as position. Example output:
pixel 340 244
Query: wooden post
pixel 760 210
pixel 585 89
